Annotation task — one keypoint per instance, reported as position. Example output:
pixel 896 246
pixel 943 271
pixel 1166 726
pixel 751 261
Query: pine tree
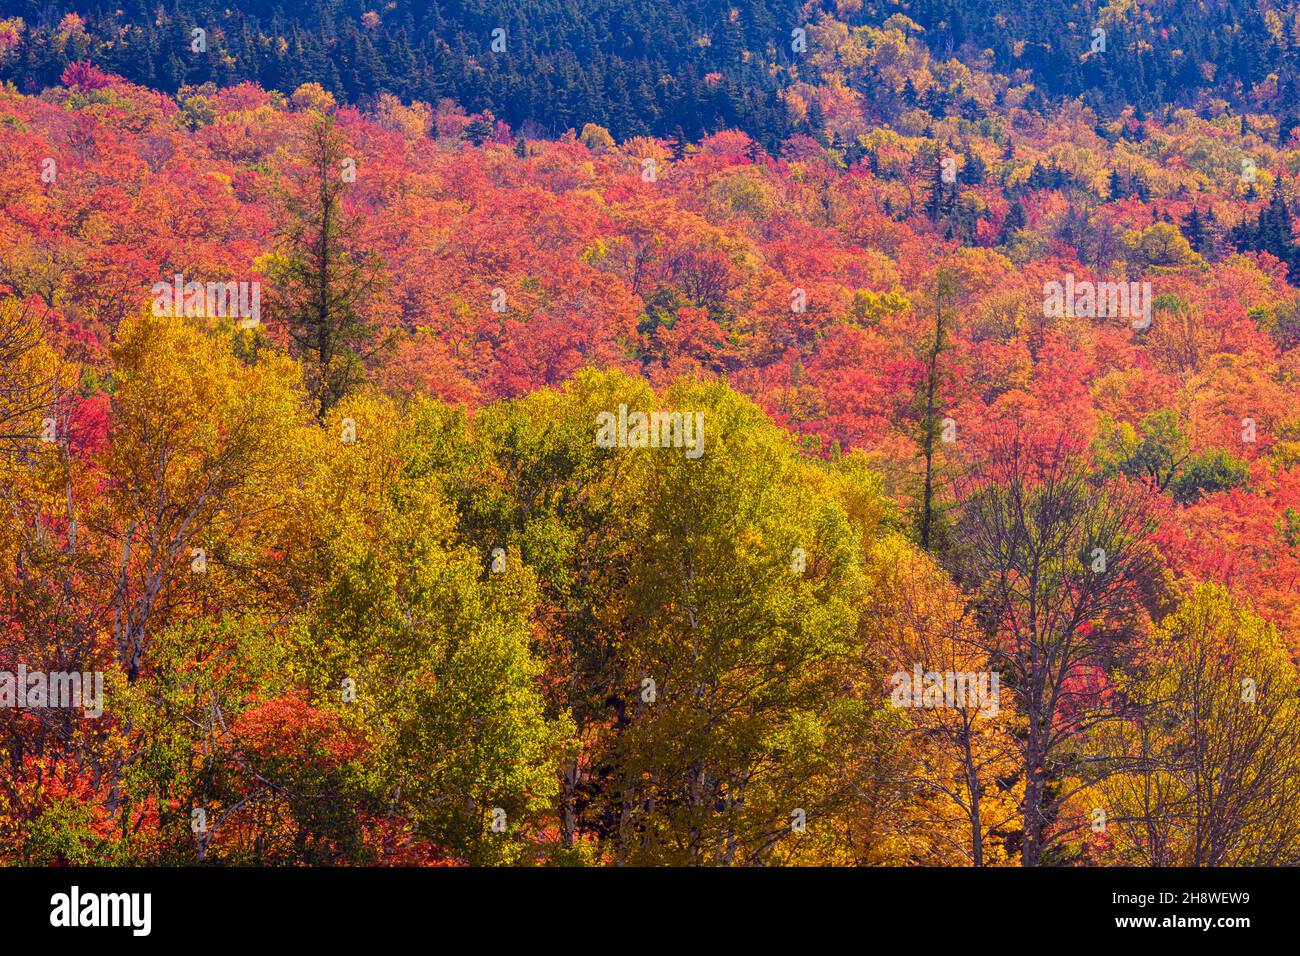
pixel 321 283
pixel 1013 223
pixel 973 170
pixel 937 201
pixel 1194 230
pixel 931 424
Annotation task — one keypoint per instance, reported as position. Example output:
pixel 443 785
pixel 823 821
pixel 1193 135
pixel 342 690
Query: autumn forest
pixel 688 434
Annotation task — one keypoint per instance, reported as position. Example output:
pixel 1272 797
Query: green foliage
pixel 1209 472
pixel 1219 712
pixel 1155 451
pixel 65 834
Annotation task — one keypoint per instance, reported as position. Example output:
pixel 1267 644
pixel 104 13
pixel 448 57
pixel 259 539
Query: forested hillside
pixel 383 558
pixel 683 68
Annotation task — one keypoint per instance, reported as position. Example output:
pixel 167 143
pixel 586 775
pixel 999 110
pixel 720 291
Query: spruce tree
pixel 321 282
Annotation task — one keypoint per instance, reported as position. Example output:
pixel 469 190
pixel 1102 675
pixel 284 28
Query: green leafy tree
pixel 1215 744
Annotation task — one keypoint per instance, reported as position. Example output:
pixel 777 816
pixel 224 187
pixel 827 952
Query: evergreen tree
pixel 1194 230
pixel 1015 220
pixel 321 283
